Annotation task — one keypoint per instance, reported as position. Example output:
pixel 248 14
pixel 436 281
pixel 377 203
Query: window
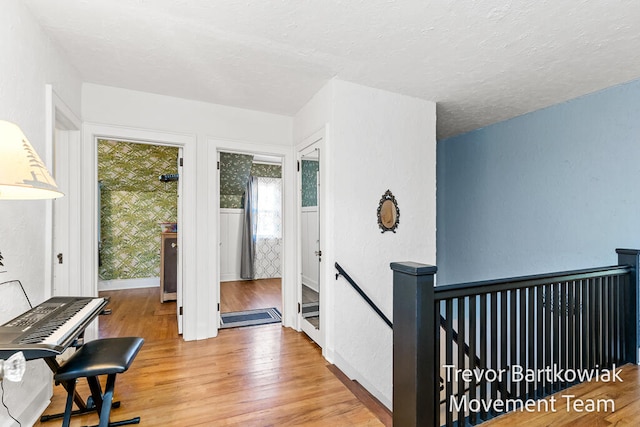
pixel 269 208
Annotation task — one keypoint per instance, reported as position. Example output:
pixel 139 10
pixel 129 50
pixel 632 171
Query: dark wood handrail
pixel 482 287
pixel 355 286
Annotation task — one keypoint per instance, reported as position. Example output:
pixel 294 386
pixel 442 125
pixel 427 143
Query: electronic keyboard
pixel 49 328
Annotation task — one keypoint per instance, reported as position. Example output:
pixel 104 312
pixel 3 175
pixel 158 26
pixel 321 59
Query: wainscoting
pixel 230 243
pixel 268 251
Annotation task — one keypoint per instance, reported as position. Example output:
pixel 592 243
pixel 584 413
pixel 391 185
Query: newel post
pixel 414 380
pixel 631 257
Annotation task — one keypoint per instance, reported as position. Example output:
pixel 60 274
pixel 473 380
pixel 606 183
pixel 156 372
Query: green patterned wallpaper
pixel 309 183
pixel 133 201
pixel 266 171
pixel 234 174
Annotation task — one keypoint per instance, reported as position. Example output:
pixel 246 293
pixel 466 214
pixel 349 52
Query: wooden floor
pixel 250 294
pixel 625 410
pixel 257 376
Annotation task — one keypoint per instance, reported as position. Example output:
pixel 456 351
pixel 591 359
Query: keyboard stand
pixel 60 329
pixel 87 407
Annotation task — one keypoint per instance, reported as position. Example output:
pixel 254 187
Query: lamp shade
pixel 22 173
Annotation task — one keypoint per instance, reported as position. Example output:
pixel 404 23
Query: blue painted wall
pixel 551 190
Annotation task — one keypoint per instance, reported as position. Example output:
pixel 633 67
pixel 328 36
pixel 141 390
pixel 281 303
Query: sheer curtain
pixel 261 232
pixel 269 228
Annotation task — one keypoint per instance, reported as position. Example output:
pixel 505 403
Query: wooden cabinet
pixel 168 266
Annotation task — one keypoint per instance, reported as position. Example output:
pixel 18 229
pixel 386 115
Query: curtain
pixel 269 235
pixel 249 230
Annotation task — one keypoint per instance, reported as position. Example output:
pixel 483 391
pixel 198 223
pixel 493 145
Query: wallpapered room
pixel 138 212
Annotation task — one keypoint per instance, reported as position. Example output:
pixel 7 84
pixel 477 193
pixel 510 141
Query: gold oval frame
pixel 388 212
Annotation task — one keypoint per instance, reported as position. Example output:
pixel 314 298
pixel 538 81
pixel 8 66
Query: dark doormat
pixel 310 309
pixel 261 316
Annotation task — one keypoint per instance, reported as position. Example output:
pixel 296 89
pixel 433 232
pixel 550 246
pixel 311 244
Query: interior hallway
pixel 256 376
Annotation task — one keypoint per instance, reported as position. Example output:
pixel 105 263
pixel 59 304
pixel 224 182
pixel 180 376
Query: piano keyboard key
pixel 56 329
pixel 61 333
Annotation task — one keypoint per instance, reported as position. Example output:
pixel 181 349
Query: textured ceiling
pixel 481 61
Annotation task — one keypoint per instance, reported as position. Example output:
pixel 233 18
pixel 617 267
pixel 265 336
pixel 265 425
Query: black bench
pixel 108 356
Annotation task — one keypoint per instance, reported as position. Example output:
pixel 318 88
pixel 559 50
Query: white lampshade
pixel 22 173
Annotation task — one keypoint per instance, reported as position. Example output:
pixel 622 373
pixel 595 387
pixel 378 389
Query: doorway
pixel 310 252
pixel 250 194
pixel 138 212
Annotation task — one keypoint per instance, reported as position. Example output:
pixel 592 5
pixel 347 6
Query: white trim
pixel 231 210
pixel 194 321
pixel 57 112
pixel 310 282
pixel 119 284
pixel 315 140
pixel 355 375
pixel 229 277
pixel 286 154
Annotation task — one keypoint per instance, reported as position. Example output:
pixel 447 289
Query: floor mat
pixel 261 316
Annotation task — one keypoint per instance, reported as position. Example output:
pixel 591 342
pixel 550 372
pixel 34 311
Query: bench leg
pixel 103 401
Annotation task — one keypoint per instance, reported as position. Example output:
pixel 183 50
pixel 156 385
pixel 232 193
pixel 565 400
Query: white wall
pixel 212 128
pixel 314 114
pixel 123 107
pixel 380 141
pixel 376 141
pixel 29 60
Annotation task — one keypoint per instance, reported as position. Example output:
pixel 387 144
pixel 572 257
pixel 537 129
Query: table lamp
pixel 23 176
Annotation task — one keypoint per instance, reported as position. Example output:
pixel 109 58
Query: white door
pixel 66 260
pixel 179 240
pixel 61 209
pixel 310 253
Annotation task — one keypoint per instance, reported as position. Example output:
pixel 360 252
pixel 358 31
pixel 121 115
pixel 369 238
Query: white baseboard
pixel 309 282
pixel 119 284
pixel 230 277
pixel 353 374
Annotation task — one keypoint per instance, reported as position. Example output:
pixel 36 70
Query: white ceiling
pixel 481 61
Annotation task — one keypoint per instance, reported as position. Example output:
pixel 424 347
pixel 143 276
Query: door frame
pixel 186 236
pixel 316 140
pixel 60 118
pixel 289 296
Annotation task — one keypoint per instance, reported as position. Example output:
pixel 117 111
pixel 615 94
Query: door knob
pixel 318 253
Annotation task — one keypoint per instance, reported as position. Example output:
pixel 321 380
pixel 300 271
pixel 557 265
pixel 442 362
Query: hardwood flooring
pixel 625 410
pixel 250 294
pixel 256 376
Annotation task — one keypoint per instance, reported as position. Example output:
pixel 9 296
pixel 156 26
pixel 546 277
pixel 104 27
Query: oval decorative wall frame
pixel 388 212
